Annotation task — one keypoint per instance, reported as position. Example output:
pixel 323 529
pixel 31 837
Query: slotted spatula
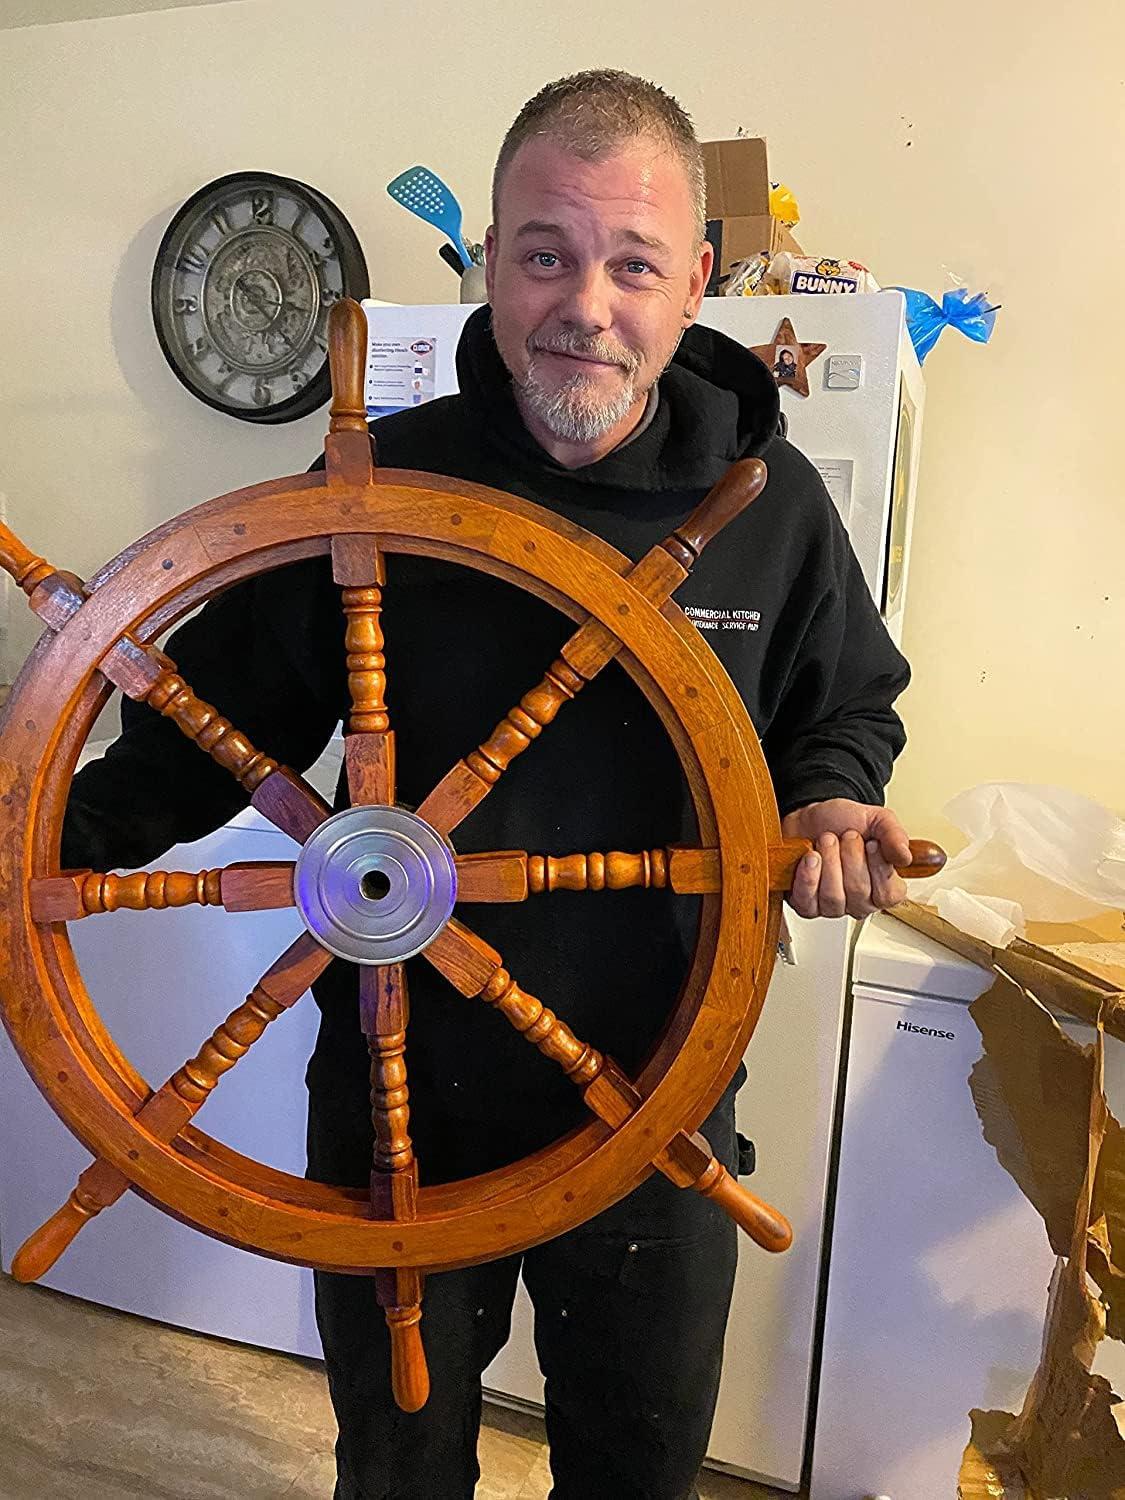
pixel 424 194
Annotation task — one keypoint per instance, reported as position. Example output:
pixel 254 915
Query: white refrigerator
pixel 861 425
pixel 163 980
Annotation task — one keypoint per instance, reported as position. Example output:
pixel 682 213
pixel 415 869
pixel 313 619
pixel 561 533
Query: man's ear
pixel 489 259
pixel 700 276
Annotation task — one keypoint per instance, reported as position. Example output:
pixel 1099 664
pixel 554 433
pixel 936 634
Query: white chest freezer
pixel 162 980
pixel 939 1267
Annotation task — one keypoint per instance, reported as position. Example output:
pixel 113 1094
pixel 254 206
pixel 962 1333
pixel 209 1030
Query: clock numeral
pixel 261 207
pixel 321 258
pixel 193 260
pixel 262 393
pixel 199 347
pixel 330 294
pixel 182 305
pixel 220 219
pixel 299 378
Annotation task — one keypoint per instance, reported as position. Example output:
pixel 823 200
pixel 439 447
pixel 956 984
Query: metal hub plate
pixel 375 884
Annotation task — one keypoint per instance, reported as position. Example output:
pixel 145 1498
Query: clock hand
pixel 257 298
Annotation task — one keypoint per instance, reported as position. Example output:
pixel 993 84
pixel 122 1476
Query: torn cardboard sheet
pixel 1032 1091
pixel 1041 1101
pixel 1066 1443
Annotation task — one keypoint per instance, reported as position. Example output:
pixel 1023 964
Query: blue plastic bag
pixel 973 315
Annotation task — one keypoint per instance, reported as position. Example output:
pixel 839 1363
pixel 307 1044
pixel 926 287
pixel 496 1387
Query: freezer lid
pixel 890 955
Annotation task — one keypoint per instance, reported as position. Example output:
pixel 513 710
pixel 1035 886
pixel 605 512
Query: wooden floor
pixel 99 1405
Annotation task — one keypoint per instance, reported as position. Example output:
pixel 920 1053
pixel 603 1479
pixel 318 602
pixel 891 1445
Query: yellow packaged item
pixel 783 205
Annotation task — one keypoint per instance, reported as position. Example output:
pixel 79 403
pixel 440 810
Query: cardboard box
pixel 739 222
pixel 738 179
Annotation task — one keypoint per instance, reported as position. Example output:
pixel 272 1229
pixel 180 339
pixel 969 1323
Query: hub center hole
pixel 374 885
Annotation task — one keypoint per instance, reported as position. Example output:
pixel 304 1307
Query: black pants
pixel 630 1312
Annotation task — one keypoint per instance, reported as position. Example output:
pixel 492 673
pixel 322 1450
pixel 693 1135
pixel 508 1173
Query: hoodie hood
pixel 718 403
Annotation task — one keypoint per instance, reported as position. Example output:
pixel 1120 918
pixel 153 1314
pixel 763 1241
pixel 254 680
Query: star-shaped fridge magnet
pixel 787 360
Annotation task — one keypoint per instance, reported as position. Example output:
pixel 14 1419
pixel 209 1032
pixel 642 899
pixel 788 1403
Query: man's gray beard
pixel 568 411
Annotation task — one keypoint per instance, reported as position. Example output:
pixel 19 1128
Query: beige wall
pixel 1004 166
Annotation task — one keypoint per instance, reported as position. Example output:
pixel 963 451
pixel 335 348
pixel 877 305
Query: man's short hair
pixel 593 113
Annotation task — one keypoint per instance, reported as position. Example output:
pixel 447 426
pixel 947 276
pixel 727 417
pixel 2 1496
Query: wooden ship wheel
pixel 377 883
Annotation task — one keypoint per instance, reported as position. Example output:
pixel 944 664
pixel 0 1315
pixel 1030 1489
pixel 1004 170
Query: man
pixel 584 387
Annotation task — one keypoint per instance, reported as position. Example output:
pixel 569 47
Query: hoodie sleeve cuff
pixel 821 788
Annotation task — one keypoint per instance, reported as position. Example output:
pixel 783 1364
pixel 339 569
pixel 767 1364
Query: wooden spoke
pixel 288 802
pixel 475 969
pixel 658 574
pixel 82 893
pixel 597 872
pixel 239 887
pixel 146 674
pixel 384 1011
pixel 513 875
pixel 169 1108
pixel 471 779
pixel 370 763
pixel 279 794
pixel 492 877
pixel 263 886
pixel 357 566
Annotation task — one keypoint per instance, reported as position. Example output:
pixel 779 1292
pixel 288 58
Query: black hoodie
pixel 781 599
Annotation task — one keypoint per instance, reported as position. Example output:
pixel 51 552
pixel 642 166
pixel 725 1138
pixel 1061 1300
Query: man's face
pixel 593 273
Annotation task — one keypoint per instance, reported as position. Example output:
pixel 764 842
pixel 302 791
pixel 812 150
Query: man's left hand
pixel 852 869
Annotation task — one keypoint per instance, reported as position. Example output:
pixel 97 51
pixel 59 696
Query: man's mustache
pixel 587 348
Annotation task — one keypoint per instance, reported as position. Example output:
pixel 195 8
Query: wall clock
pixel 243 282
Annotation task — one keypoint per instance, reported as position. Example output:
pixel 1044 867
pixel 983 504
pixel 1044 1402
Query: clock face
pixel 243 283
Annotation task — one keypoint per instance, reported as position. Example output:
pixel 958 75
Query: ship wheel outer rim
pixel 93 1088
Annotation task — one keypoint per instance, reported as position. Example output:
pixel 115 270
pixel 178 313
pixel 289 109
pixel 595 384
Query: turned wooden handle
pixel 926 858
pixel 25 566
pixel 347 350
pixel 742 483
pixel 763 1223
pixel 41 1250
pixel 410 1377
